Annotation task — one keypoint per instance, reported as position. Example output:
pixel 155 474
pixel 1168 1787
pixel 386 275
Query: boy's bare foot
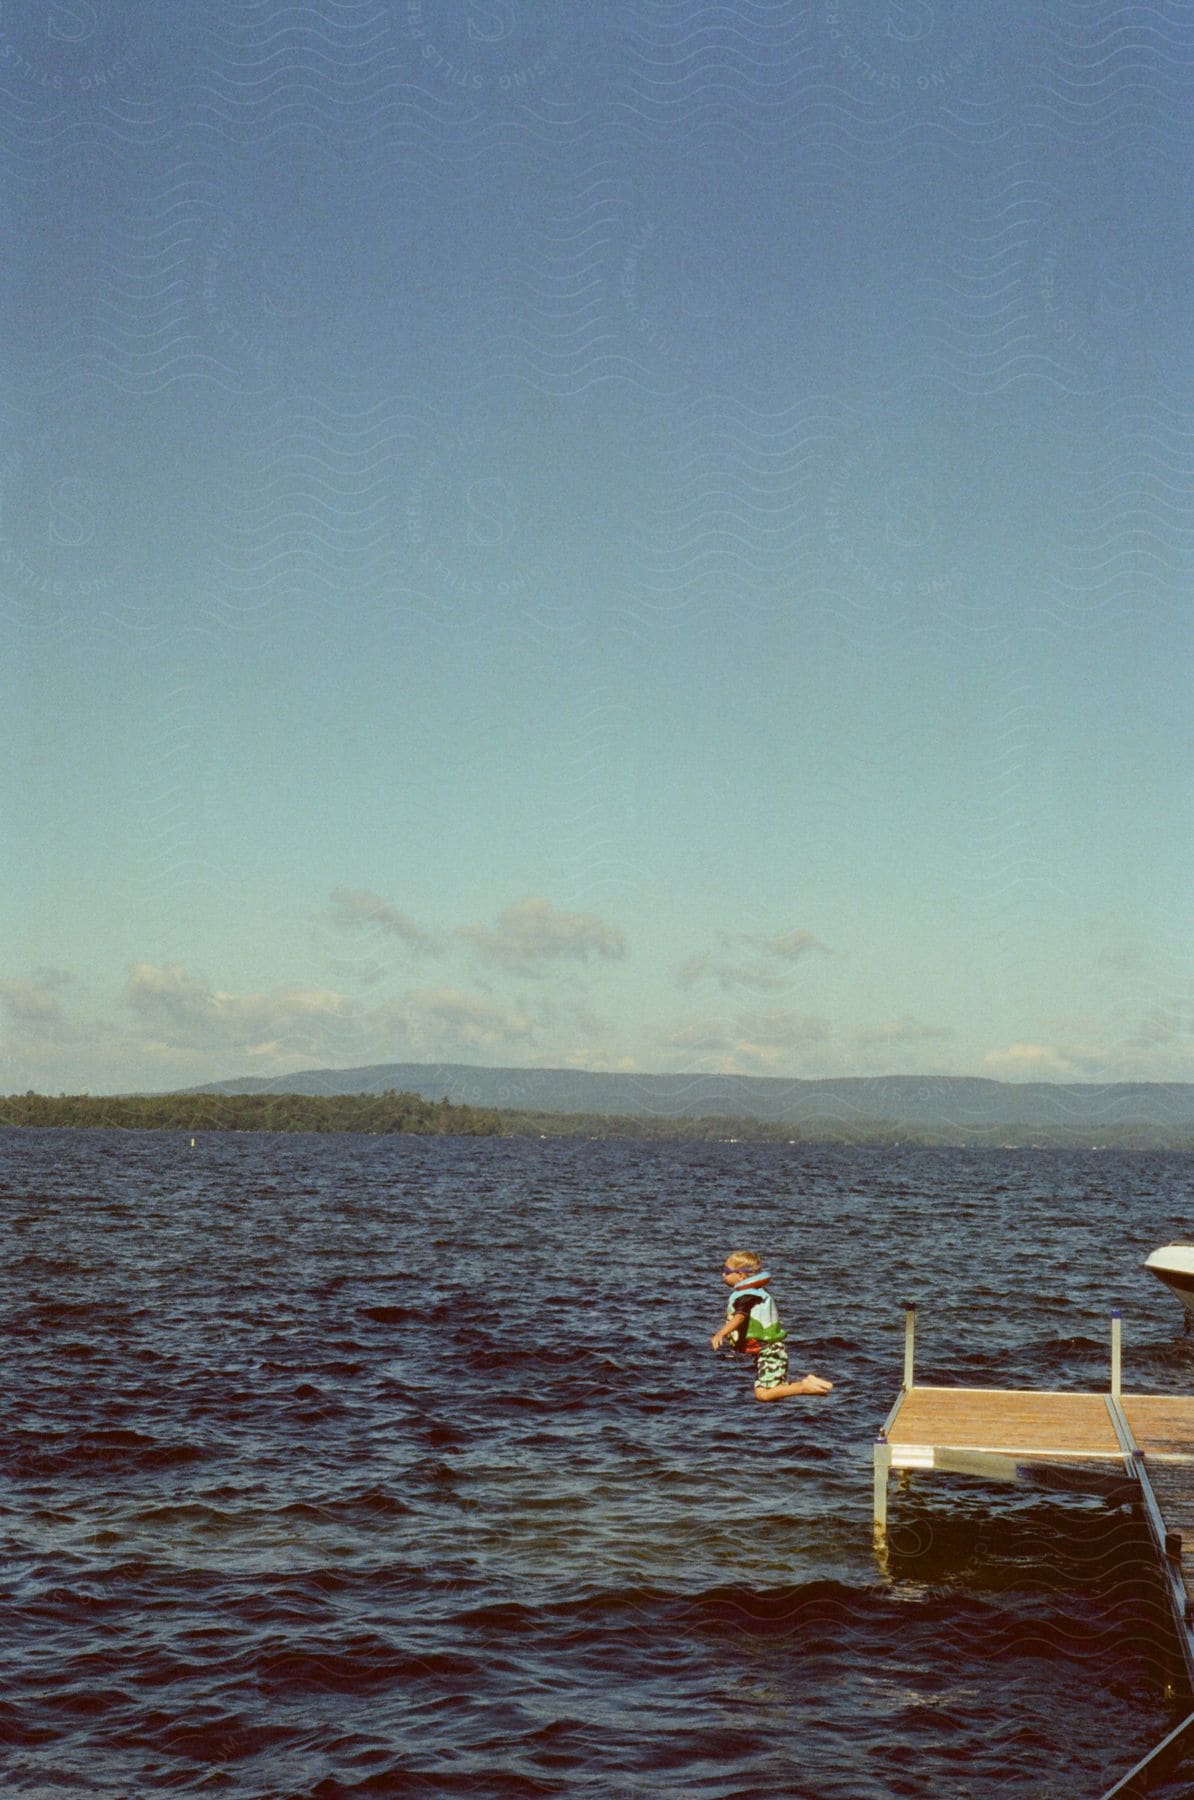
pixel 811 1384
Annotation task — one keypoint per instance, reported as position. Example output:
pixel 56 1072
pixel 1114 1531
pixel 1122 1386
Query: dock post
pixel 1116 1353
pixel 882 1471
pixel 909 1340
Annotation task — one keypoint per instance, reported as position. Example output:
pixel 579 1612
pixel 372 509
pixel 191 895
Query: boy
pixel 751 1314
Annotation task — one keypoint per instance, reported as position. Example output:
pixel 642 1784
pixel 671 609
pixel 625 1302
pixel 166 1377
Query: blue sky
pixel 648 537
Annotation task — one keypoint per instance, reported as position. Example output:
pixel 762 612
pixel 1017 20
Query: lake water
pixel 366 1466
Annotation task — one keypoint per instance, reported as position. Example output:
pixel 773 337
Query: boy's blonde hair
pixel 746 1260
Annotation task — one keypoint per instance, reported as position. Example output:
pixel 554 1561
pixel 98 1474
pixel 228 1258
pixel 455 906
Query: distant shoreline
pixel 391 1113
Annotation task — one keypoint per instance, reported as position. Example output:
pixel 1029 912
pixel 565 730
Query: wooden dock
pixel 1128 1447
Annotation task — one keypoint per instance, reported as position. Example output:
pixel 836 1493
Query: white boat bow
pixel 1174 1265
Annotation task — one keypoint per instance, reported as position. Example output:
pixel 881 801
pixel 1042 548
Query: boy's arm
pixel 733 1323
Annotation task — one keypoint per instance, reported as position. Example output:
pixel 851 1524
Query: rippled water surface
pixel 340 1466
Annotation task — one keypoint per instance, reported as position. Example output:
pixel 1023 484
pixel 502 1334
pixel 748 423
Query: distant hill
pixel 958 1108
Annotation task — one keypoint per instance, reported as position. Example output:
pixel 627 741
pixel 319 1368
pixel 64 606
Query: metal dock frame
pixel 1008 1463
pixel 882 1446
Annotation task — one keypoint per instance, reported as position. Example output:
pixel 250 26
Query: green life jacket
pixel 762 1321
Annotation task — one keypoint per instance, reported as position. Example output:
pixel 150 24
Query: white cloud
pixel 784 1029
pixel 749 1044
pixel 359 909
pixel 586 1058
pixel 1030 1062
pixel 457 1020
pixel 187 1024
pixel 30 1005
pixel 53 978
pixel 755 972
pixel 182 1013
pixel 366 973
pixel 772 1043
pixel 532 934
pixel 1157 1028
pixel 38 1028
pixel 728 975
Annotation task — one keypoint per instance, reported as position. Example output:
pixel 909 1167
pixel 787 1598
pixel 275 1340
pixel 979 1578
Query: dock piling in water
pixel 1116 1352
pixel 909 1340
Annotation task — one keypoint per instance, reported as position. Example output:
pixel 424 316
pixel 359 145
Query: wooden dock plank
pixel 1010 1421
pixel 1162 1424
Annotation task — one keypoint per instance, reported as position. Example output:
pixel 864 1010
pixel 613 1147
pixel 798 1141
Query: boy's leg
pixel 810 1384
pixel 771 1377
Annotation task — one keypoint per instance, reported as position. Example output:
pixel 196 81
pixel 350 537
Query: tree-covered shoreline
pixel 386 1113
pixel 391 1112
pixel 377 1113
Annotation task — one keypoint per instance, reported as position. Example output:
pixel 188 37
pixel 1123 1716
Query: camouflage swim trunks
pixel 772 1367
